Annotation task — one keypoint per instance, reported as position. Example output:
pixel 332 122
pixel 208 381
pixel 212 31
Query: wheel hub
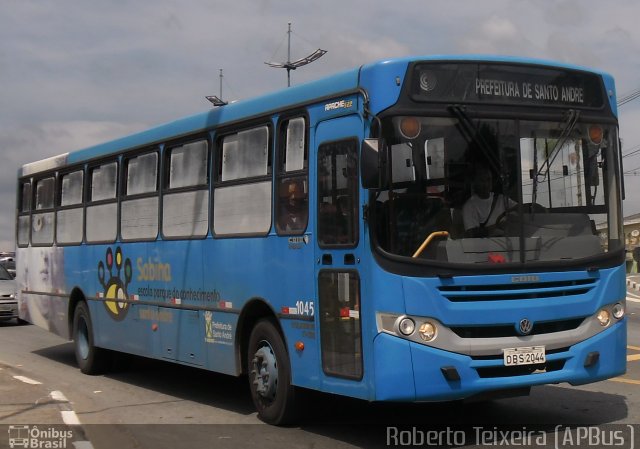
pixel 265 372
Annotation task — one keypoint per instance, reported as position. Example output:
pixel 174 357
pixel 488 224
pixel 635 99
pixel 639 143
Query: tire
pixel 270 375
pixel 90 359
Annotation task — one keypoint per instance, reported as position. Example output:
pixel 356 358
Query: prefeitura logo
pixel 33 437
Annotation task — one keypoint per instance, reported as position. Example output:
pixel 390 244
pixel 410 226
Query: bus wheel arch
pixel 255 310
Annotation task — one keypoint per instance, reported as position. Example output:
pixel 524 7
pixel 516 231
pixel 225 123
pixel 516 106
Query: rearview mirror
pixel 371 163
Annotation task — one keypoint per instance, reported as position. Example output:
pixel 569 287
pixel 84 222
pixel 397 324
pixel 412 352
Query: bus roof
pixel 271 102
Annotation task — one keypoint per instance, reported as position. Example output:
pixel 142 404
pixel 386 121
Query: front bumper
pixel 408 371
pixel 8 309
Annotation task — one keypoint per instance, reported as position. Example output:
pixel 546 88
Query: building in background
pixel 632 241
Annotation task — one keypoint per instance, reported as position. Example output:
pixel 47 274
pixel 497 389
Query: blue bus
pixel 417 229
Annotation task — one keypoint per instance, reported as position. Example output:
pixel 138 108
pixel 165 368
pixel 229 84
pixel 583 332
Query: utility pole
pixel 292 65
pixel 217 100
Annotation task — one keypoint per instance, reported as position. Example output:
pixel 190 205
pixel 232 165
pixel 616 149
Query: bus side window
pixel 24 219
pixel 292 202
pixel 185 203
pixel 139 207
pixel 243 196
pixel 42 226
pixel 102 213
pixel 70 216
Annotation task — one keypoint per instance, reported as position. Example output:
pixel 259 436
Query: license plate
pixel 531 355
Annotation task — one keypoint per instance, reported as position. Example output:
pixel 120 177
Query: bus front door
pixel 338 252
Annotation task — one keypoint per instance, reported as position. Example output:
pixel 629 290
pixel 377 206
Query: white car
pixel 8 301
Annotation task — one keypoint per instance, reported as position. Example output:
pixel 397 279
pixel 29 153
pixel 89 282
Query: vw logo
pixel 525 327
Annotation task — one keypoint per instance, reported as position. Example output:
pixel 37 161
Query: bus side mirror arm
pixel 372 164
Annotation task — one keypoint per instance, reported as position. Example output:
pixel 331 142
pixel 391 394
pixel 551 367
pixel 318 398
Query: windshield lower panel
pixel 488 192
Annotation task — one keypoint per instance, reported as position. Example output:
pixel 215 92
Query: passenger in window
pixel 484 207
pixel 294 211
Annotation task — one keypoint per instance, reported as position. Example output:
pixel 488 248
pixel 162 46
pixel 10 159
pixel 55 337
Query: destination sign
pixel 505 84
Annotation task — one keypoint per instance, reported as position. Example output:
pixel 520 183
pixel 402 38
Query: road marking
pixel 58 396
pixel 634 299
pixel 70 418
pixel 626 381
pixel 633 358
pixel 26 380
pixel 633 348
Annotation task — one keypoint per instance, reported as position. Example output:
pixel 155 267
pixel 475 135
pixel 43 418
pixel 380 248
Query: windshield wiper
pixel 472 135
pixel 567 129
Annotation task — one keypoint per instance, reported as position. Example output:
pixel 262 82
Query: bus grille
pixel 509 330
pixel 505 292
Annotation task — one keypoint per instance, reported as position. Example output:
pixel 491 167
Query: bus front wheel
pixel 90 359
pixel 270 375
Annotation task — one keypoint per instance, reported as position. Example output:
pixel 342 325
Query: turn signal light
pixel 410 127
pixel 595 134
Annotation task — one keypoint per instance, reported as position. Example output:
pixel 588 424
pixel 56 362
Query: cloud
pixel 566 47
pixel 358 50
pixel 566 14
pixel 497 35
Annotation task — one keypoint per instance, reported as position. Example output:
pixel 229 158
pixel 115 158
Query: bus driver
pixel 483 208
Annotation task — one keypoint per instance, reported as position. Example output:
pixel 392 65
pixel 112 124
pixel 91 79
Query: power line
pixel 632 172
pixel 629 97
pixel 631 153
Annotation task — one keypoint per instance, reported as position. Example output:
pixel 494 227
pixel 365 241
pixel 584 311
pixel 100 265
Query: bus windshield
pixel 486 191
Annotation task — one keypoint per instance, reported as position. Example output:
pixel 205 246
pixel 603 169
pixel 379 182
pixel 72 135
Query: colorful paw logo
pixel 114 286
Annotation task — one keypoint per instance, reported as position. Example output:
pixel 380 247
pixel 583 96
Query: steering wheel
pixel 530 207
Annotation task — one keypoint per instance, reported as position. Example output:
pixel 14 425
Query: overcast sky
pixel 78 72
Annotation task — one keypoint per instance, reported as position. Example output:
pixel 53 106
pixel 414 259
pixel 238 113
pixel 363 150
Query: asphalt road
pixel 151 404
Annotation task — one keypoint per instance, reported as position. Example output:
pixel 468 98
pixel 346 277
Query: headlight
pixel 407 326
pixel 410 327
pixel 428 331
pixel 618 311
pixel 604 318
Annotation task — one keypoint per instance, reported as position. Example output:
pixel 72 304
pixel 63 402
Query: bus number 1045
pixel 305 308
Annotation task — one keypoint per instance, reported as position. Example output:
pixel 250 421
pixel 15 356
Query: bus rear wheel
pixel 90 359
pixel 270 375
